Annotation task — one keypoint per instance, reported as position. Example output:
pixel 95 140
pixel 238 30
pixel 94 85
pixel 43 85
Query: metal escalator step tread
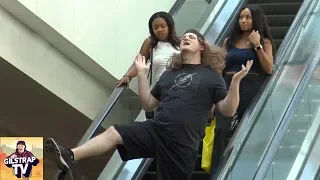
pixel 200 147
pixel 197 167
pixel 280 20
pixel 200 175
pixel 277 43
pixel 280 9
pixel 278 32
pixel 273 1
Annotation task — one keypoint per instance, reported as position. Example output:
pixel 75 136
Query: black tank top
pixel 237 57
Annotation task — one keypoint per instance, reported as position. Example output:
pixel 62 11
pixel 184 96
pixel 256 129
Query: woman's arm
pixel 265 56
pixel 224 45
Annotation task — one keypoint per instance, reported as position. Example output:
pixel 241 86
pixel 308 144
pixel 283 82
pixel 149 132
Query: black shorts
pixel 143 140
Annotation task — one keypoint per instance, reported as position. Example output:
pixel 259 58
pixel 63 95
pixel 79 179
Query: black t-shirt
pixel 186 97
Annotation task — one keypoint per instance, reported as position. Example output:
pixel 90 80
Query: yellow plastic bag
pixel 207 147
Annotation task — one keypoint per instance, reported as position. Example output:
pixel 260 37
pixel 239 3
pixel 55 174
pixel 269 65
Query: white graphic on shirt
pixel 183 80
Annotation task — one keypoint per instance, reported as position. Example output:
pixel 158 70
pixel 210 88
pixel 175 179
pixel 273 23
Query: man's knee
pixel 114 135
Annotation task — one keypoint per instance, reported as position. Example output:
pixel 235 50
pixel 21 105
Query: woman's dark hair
pixel 172 37
pixel 259 23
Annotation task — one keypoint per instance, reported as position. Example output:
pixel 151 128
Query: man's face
pixel 21 148
pixel 190 42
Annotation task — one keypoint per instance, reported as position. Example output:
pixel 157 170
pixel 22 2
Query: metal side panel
pixel 312 165
pixel 308 152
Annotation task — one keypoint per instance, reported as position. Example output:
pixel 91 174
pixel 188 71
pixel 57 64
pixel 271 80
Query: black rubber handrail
pixel 176 7
pixel 103 113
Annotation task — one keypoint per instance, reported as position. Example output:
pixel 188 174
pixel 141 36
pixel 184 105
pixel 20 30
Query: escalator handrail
pixel 228 26
pixel 208 1
pixel 281 129
pixel 219 7
pixel 176 7
pixel 260 100
pixel 102 114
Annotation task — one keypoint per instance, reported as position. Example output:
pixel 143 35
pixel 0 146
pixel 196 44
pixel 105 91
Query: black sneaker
pixel 62 156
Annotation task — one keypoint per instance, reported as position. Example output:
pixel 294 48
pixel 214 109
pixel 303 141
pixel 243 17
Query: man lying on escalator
pixel 184 96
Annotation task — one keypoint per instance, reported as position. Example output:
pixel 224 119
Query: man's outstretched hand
pixel 244 71
pixel 141 65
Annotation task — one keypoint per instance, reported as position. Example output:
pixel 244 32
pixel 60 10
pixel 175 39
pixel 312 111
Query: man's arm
pixel 228 106
pixel 149 103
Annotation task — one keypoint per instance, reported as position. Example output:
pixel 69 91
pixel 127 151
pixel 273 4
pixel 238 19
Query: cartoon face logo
pixel 21 148
pixel 21 160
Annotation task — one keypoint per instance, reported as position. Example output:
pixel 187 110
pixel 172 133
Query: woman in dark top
pixel 250 39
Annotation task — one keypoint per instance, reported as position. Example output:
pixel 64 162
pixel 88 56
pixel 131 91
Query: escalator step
pixel 197 167
pixel 200 148
pixel 277 43
pixel 278 32
pixel 280 20
pixel 199 175
pixel 196 175
pixel 280 8
pixel 273 1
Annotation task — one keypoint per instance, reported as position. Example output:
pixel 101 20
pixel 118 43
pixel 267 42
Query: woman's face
pixel 245 20
pixel 160 29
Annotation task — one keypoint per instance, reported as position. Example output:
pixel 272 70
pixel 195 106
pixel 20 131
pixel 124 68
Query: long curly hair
pixel 211 56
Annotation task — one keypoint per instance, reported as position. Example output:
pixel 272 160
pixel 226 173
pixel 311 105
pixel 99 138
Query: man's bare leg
pixel 98 145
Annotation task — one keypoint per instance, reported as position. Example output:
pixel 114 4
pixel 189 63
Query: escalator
pixel 279 21
pixel 122 104
pixel 278 127
pixel 308 166
pixel 244 151
pixel 293 140
pixel 280 15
